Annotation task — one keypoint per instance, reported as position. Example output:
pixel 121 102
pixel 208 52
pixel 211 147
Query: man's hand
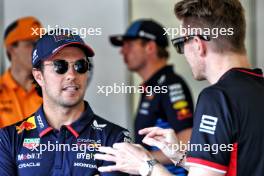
pixel 128 157
pixel 164 139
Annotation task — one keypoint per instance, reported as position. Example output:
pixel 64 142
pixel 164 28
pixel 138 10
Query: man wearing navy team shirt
pixel 62 137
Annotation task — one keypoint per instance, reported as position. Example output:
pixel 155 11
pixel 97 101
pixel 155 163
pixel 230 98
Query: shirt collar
pixel 254 72
pixel 251 72
pixel 75 128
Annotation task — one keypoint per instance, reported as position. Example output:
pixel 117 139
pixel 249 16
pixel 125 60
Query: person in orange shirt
pixel 18 98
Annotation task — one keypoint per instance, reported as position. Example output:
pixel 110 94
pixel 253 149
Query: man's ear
pixel 151 47
pixel 38 76
pixel 200 46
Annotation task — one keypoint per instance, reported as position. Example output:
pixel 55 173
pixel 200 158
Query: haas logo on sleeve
pixel 208 124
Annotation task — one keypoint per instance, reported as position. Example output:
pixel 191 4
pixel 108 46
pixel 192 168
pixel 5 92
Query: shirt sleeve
pixel 211 142
pixel 121 136
pixel 7 164
pixel 178 106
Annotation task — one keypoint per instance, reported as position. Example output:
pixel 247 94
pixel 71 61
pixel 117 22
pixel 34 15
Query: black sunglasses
pixel 178 43
pixel 61 66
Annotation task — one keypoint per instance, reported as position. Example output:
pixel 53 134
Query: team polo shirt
pixel 228 133
pixel 15 102
pixel 32 147
pixel 172 108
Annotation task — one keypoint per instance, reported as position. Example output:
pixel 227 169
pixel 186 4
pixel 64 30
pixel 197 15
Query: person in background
pixel 145 51
pixel 18 98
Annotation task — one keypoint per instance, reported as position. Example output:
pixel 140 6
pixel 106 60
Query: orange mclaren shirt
pixel 16 103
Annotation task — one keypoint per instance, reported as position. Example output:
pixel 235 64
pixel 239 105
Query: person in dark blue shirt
pixel 166 101
pixel 62 137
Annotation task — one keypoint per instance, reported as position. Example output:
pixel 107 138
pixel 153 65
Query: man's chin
pixel 199 77
pixel 69 103
pixel 133 69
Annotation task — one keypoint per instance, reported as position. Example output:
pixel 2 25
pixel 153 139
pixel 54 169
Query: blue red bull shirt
pixel 32 147
pixel 171 106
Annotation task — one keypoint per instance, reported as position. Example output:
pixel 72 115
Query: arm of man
pixel 160 157
pixel 219 133
pixel 164 139
pixel 128 158
pixel 116 137
pixel 213 141
pixel 183 136
pixel 159 170
pixel 200 171
pixel 178 109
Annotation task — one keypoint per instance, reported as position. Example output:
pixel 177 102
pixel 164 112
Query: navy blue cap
pixel 145 29
pixel 53 41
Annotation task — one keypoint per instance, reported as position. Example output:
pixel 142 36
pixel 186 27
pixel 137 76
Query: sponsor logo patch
pixel 31 143
pixel 184 113
pixel 41 125
pixel 127 137
pixel 208 124
pixel 28 156
pixel 180 104
pixel 97 126
pixel 30 164
pixel 86 165
pixel 176 93
pixel 29 124
pixel 162 79
pixel 145 105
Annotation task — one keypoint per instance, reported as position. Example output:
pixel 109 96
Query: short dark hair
pixel 35 83
pixel 162 52
pixel 216 14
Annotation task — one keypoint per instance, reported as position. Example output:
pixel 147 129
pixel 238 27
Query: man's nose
pixel 123 50
pixel 71 73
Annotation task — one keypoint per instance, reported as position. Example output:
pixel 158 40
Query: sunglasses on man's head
pixel 61 66
pixel 178 43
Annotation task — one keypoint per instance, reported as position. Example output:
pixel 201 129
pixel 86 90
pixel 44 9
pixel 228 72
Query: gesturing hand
pixel 164 139
pixel 127 157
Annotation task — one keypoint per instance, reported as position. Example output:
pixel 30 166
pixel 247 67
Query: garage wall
pixel 2 64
